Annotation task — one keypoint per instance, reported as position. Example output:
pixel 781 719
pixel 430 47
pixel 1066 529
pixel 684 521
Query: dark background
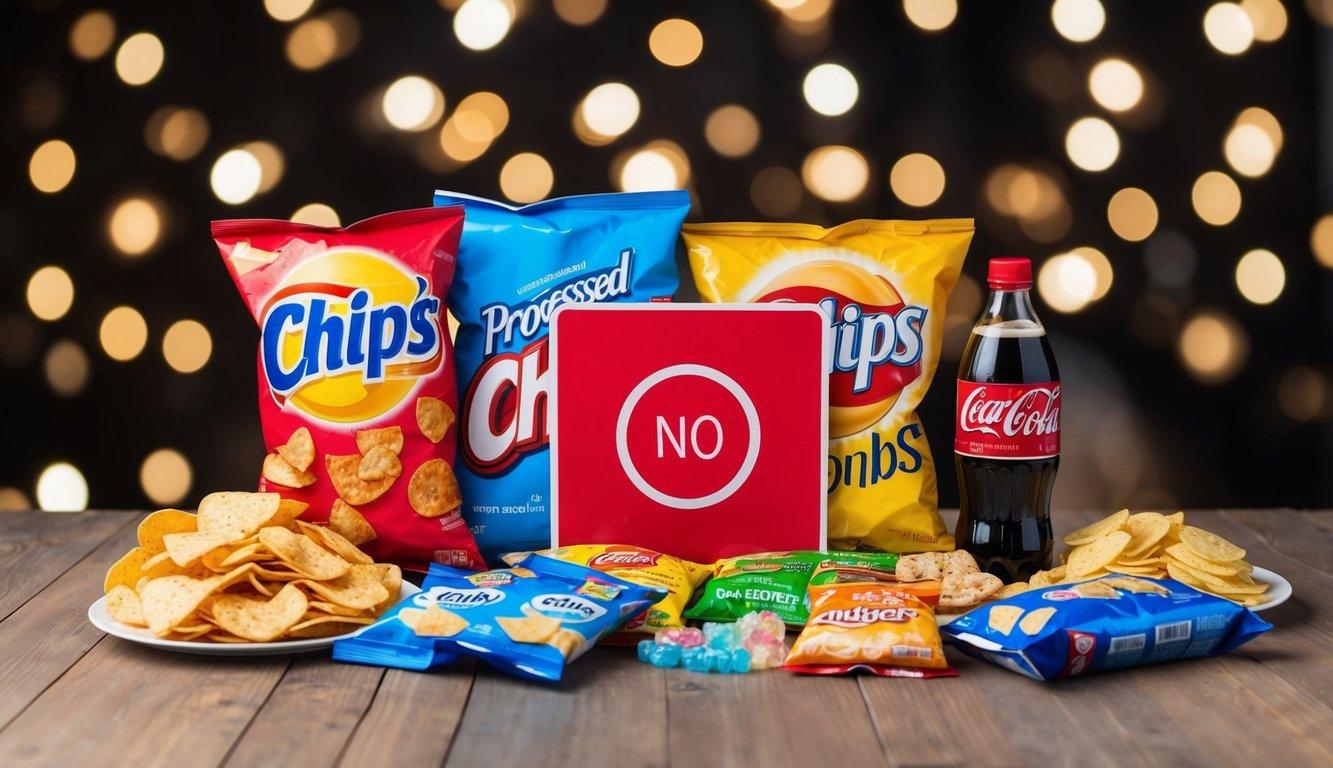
pixel 998 86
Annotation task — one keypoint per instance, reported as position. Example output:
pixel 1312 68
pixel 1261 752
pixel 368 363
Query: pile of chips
pixel 755 641
pixel 1156 546
pixel 246 570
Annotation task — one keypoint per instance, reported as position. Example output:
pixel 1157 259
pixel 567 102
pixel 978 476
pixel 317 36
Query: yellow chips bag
pixel 883 286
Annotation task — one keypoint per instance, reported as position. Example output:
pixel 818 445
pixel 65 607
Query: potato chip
pixel 1145 530
pixel 127 570
pixel 1137 570
pixel 1002 618
pixel 333 609
pixel 261 621
pixel 123 604
pixel 391 576
pixel 301 554
pixel 186 549
pixel 350 487
pixel 237 515
pixel 433 490
pixel 259 585
pixel 277 572
pixel 389 437
pixel 1210 546
pixel 160 523
pixel 434 621
pixel 1035 620
pixel 170 601
pixel 278 470
pixel 328 626
pixel 1131 584
pixel 434 417
pixel 299 451
pixel 246 553
pixel 1211 583
pixel 379 463
pixel 1009 590
pixel 1047 578
pixel 1091 533
pixel 1095 555
pixel 1183 554
pixel 529 629
pixel 1096 589
pixel 567 641
pixel 335 543
pixel 359 588
pixel 349 523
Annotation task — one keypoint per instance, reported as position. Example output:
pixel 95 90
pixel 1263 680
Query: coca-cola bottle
pixel 1007 441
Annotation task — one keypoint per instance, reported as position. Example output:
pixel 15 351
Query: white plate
pixel 1279 590
pixel 98 615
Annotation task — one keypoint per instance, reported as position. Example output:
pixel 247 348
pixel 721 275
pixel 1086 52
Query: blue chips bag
pixel 530 619
pixel 515 267
pixel 1108 623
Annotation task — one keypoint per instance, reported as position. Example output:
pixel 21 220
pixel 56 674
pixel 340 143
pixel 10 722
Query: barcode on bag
pixel 908 652
pixel 1127 644
pixel 1173 633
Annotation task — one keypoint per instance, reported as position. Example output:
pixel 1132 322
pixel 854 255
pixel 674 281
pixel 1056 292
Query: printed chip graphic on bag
pixel 356 374
pixel 882 285
pixel 517 266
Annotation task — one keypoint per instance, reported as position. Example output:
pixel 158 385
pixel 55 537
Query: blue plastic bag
pixel 515 267
pixel 1112 622
pixel 529 620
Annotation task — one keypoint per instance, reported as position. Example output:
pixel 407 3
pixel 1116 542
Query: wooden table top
pixel 74 696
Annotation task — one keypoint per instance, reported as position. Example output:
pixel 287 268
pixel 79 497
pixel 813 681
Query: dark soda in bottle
pixel 1007 439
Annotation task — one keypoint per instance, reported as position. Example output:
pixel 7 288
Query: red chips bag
pixel 356 375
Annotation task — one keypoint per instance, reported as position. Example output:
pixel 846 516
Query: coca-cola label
pixel 1008 421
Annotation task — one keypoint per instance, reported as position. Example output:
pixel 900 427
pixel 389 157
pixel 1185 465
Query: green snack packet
pixel 777 582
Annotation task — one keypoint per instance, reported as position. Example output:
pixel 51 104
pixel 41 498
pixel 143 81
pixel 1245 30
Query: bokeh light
pixel 526 178
pixel 649 169
pixel 92 34
pixel 50 293
pixel 835 173
pixel 478 120
pixel 1249 149
pixel 1092 144
pixel 776 192
pixel 177 133
pixel 732 130
pixel 1260 276
pixel 1101 267
pixel 482 24
pixel 66 368
pixel 1216 198
pixel 917 179
pixel 288 10
pixel 1321 240
pixel 123 333
pixel 610 109
pixel 134 226
pixel 186 346
pixel 1115 84
pixel 165 476
pixel 1078 20
pixel 317 214
pixel 272 163
pixel 1303 394
pixel 1212 347
pixel 1132 214
pixel 61 488
pixel 1262 118
pixel 312 44
pixel 1267 17
pixel 580 13
pixel 412 103
pixel 1228 28
pixel 1067 282
pixel 676 42
pixel 236 176
pixel 51 166
pixel 13 500
pixel 139 58
pixel 931 15
pixel 830 89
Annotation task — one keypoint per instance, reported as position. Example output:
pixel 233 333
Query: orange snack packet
pixel 883 628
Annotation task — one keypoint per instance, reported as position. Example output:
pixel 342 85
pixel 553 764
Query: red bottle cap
pixel 1010 273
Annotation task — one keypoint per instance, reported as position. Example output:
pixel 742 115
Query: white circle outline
pixel 671 372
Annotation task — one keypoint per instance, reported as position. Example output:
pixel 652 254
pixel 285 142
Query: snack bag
pixel 777 582
pixel 1113 622
pixel 883 286
pixel 639 566
pixel 529 620
pixel 515 267
pixel 873 627
pixel 357 393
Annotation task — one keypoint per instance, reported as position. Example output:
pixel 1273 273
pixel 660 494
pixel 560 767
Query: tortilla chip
pixel 301 554
pixel 299 451
pixel 261 621
pixel 388 437
pixel 433 490
pixel 350 524
pixel 434 417
pixel 278 470
pixel 350 487
pixel 335 543
pixel 124 606
pixel 162 522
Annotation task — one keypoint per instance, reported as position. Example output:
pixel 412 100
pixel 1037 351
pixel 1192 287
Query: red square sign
pixel 696 430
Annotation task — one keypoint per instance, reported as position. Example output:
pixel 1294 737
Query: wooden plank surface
pixel 74 697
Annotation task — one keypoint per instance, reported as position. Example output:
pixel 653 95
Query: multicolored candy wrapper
pixel 357 393
pixel 529 620
pixel 515 267
pixel 882 286
pixel 1112 622
pixel 777 582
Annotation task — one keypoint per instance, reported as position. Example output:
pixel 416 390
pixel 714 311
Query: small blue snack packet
pixel 516 266
pixel 529 620
pixel 1113 622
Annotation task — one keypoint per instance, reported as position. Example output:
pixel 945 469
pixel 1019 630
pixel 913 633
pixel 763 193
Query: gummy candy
pixel 722 636
pixel 645 649
pixel 695 659
pixel 765 620
pixel 685 637
pixel 740 661
pixel 666 655
pixel 753 642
